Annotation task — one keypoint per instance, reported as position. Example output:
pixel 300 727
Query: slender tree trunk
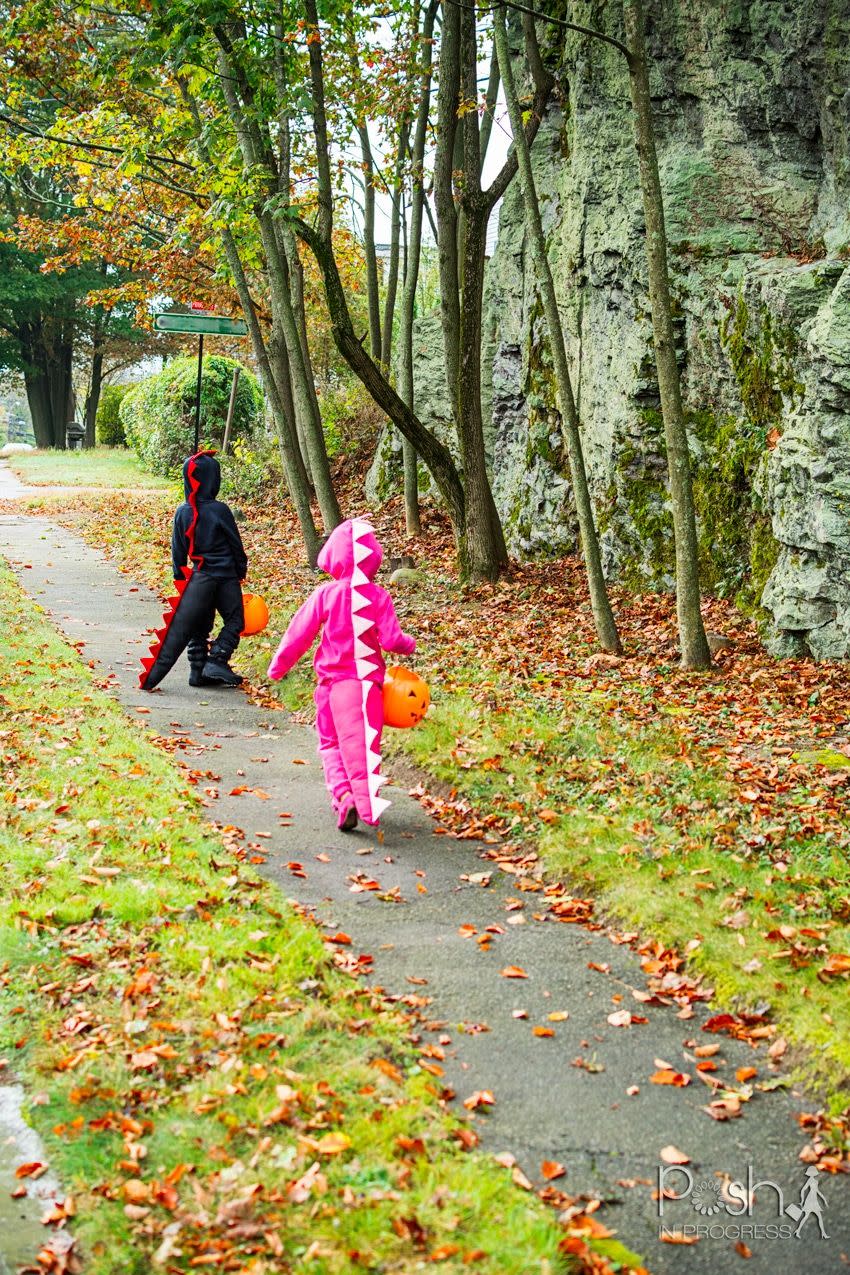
pixel 93 396
pixel 448 98
pixel 373 287
pixel 297 276
pixel 486 549
pixel 606 629
pixel 297 479
pixel 279 361
pixel 255 153
pixel 462 227
pixel 490 99
pixel 319 238
pixel 411 277
pixel 295 473
pixel 694 646
pixel 295 273
pixel 281 297
pixel 395 235
pixel 435 454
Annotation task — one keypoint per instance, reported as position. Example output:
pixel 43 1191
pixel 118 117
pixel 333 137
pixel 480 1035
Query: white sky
pixel 497 149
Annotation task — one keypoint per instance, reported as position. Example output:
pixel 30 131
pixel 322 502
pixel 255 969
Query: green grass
pixel 189 1033
pixel 646 831
pixel 101 467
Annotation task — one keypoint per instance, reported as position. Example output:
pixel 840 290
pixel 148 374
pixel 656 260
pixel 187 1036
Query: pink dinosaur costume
pixel 359 621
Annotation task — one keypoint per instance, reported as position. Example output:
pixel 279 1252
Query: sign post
pixel 210 324
pixel 198 391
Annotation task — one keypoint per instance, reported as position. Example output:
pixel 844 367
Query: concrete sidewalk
pixel 546 1108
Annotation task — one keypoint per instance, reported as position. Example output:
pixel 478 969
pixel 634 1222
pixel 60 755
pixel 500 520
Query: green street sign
pixel 203 324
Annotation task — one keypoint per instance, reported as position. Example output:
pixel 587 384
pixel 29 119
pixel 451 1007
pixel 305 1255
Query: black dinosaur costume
pixel 206 534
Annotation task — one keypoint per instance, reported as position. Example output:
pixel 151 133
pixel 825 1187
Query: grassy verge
pixel 212 1090
pixel 100 467
pixel 711 812
pixel 646 829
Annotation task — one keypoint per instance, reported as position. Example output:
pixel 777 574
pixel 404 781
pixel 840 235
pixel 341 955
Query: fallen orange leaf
pixel 677 1078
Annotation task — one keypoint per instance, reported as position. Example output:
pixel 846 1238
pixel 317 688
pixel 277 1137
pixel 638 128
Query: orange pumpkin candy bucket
pixel 256 614
pixel 406 697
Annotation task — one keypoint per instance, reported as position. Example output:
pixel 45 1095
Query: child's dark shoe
pixel 196 678
pixel 198 652
pixel 218 670
pixel 346 813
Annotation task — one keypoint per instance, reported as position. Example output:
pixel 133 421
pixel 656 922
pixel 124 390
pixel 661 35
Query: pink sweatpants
pixel 349 721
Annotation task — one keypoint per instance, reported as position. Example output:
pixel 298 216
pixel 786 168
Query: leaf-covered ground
pixel 709 812
pixel 211 1090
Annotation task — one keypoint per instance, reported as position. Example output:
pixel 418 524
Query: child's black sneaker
pixel 218 670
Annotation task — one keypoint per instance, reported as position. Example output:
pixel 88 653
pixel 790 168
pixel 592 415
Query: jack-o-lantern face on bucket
pixel 406 697
pixel 256 614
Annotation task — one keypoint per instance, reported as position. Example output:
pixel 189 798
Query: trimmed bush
pixel 253 474
pixel 107 423
pixel 158 414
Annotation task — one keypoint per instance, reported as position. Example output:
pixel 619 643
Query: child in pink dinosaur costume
pixel 359 621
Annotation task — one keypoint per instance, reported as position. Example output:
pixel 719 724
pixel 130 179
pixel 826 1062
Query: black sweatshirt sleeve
pixel 232 532
pixel 179 546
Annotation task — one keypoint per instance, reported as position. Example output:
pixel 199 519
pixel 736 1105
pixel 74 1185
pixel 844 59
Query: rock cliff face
pixel 752 108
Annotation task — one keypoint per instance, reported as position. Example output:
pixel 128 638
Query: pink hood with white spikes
pixel 352 544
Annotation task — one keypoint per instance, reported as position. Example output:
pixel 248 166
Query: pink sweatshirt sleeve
pixel 299 636
pixel 390 633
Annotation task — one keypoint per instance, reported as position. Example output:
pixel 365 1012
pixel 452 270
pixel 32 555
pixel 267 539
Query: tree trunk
pixel 487 554
pixel 373 287
pixel 60 377
pixel 93 396
pixel 319 238
pixel 490 99
pixel 411 278
pixel 283 316
pixel 47 376
pixel 395 235
pixel 297 479
pixel 279 360
pixel 410 462
pixel 448 97
pixel 296 275
pixel 606 629
pixel 436 456
pixel 256 152
pixel 461 244
pixel 694 646
pixel 38 398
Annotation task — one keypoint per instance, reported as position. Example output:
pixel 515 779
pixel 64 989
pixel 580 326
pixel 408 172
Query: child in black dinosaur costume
pixel 205 532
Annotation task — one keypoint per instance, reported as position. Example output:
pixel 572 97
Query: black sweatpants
pixel 203 596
